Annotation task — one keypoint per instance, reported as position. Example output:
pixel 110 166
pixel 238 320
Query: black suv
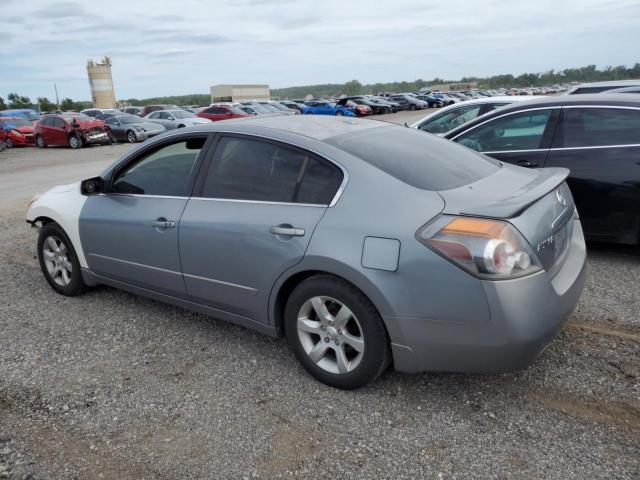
pixel 595 136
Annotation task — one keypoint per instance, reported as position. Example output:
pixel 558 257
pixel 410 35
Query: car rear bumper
pixel 526 314
pixel 96 138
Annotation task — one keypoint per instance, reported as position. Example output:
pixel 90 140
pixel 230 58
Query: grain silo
pixel 101 83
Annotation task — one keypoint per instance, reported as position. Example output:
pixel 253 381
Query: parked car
pixel 222 112
pixel 154 108
pixel 131 128
pixel 445 99
pixel 360 110
pixel 260 231
pixel 26 113
pixel 407 102
pixel 595 136
pixel 105 116
pixel 385 102
pixel 376 108
pixel 16 132
pixel 271 109
pixel 291 105
pixel 323 107
pixel 597 87
pixel 431 102
pixel 70 129
pixel 172 119
pixel 132 110
pixel 453 116
pixel 94 112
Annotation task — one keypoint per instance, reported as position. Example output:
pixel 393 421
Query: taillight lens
pixel 487 248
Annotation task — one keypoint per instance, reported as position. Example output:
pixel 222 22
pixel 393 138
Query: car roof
pixel 597 99
pixel 317 127
pixel 612 83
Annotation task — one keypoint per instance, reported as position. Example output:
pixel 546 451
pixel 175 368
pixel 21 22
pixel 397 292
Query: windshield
pixel 128 119
pixel 17 123
pixel 423 161
pixel 182 114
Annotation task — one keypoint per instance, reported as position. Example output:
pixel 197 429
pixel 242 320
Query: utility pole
pixel 57 101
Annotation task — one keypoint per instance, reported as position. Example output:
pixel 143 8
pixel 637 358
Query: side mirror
pixel 170 118
pixel 116 123
pixel 91 186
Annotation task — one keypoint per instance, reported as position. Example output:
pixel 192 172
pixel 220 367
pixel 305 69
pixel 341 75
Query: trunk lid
pixel 537 202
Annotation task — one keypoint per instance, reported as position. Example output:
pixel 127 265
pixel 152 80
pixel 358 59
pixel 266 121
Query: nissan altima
pixel 365 244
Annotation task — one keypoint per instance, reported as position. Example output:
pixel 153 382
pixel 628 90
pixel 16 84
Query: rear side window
pixel 588 127
pixel 247 169
pixel 422 161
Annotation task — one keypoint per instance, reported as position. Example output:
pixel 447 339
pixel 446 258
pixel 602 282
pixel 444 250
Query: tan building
pixel 101 83
pixel 239 93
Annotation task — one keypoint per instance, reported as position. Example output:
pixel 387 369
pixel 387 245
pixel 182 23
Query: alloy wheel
pixel 9 143
pixel 56 259
pixel 131 137
pixel 330 334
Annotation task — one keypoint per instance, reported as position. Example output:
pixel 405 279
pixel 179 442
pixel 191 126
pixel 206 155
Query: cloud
pixel 62 10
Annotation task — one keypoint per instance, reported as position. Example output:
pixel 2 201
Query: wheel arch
pixel 321 266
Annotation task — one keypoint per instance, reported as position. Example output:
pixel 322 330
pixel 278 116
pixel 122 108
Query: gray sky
pixel 184 46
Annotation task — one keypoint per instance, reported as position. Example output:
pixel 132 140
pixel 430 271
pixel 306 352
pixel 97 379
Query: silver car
pixel 172 119
pixel 366 244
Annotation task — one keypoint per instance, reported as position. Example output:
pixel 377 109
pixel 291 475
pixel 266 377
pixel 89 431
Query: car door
pixel 253 213
pixel 601 147
pixel 130 232
pixel 155 118
pixel 57 132
pixel 116 128
pixel 521 137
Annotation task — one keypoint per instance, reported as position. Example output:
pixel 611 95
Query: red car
pixel 70 129
pixel 360 110
pixel 222 112
pixel 16 132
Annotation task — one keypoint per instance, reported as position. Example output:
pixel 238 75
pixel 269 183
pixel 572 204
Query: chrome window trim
pixel 623 107
pixel 264 202
pixel 506 115
pixel 334 201
pixel 626 145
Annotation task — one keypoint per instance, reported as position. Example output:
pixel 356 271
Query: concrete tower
pixel 101 83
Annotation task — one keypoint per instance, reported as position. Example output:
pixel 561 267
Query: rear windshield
pixel 417 158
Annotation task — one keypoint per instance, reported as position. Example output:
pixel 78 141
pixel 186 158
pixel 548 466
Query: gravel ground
pixel 109 385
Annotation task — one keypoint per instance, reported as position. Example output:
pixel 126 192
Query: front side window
pixel 449 120
pixel 589 127
pixel 245 169
pixel 520 131
pixel 164 171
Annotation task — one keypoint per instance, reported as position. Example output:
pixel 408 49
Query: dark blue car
pixel 26 113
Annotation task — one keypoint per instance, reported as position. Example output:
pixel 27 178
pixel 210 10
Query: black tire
pixel 339 113
pixel 377 354
pixel 75 141
pixel 40 143
pixel 131 136
pixel 76 286
pixel 9 143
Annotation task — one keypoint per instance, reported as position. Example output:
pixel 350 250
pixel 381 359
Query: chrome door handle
pixel 163 224
pixel 291 231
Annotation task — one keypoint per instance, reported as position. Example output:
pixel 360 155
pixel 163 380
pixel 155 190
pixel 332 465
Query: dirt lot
pixel 109 385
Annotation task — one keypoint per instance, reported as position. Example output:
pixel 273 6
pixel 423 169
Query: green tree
pixel 45 105
pixel 16 101
pixel 3 106
pixel 67 105
pixel 352 87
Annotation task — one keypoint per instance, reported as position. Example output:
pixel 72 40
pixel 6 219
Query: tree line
pixel 588 73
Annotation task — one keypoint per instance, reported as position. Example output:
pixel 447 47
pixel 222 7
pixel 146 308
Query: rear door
pixel 254 210
pixel 522 137
pixel 601 147
pixel 57 132
pixel 130 233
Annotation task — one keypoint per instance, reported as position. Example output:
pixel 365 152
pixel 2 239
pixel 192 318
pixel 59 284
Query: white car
pixel 448 118
pixel 178 118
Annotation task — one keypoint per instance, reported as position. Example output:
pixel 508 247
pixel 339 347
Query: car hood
pixel 24 129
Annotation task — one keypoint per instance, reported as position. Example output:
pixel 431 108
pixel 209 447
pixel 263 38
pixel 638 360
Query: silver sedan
pixel 365 244
pixel 172 119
